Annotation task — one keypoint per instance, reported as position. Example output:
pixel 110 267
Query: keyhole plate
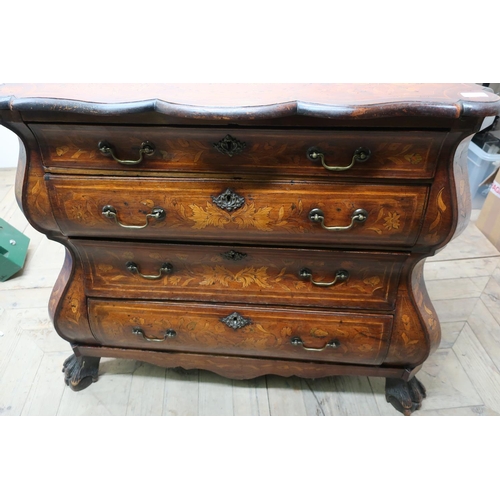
pixel 230 146
pixel 228 200
pixel 235 320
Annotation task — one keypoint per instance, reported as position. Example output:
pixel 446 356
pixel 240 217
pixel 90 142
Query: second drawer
pixel 265 211
pixel 318 278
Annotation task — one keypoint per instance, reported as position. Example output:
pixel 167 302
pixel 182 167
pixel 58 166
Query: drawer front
pixel 237 212
pixel 393 154
pixel 276 333
pixel 241 275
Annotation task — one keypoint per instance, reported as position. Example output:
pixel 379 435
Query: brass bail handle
pixel 297 341
pixel 166 268
pixel 169 334
pixel 317 215
pixel 107 149
pixel 110 212
pixel 340 276
pixel 360 155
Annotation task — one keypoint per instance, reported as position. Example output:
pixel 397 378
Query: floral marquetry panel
pixel 411 155
pixel 271 275
pixel 360 338
pixel 67 304
pixel 274 212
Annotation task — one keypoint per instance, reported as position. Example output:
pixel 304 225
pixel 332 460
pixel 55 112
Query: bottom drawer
pixel 273 333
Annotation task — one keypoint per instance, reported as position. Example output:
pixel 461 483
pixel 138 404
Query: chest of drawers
pixel 247 229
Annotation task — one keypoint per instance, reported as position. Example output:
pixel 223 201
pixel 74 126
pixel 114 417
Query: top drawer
pixel 392 154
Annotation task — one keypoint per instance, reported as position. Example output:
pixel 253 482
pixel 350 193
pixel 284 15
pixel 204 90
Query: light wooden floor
pixel 462 377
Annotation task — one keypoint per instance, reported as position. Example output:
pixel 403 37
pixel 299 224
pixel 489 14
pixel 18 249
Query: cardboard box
pixel 489 217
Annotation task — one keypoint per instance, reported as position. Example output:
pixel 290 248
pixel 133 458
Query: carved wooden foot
pixel 80 371
pixel 406 397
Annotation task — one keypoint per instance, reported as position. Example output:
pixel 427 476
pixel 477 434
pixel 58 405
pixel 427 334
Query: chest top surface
pixel 254 101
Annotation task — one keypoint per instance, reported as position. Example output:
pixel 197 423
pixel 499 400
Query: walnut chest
pixel 247 229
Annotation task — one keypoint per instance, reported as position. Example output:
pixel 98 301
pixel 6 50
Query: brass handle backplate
pixel 340 276
pixel 166 268
pixel 317 215
pixel 169 334
pixel 107 149
pixel 297 341
pixel 360 155
pixel 110 212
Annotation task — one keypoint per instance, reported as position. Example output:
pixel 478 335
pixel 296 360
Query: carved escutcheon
pixel 229 146
pixel 228 200
pixel 232 255
pixel 235 320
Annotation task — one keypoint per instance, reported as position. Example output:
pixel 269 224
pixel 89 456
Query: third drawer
pixel 316 278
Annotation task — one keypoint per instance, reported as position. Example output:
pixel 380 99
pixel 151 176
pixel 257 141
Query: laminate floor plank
pixel 7 201
pixel 480 282
pixel 42 266
pixel 446 382
pixel 19 376
pixel 286 396
pixel 486 328
pixel 491 295
pixel 465 268
pixel 36 239
pixel 46 392
pixel 7 176
pixel 147 391
pixel 385 409
pixel 314 402
pixel 10 211
pixel 9 337
pixel 35 324
pixel 466 411
pixel 343 396
pixel 482 372
pixel 4 189
pixel 450 332
pixel 215 395
pixel 28 280
pixel 48 255
pixel 25 298
pixel 109 396
pixel 250 397
pixel 460 288
pixel 454 310
pixel 470 244
pixel 181 393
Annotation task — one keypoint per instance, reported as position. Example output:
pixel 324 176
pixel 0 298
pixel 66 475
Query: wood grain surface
pixel 282 153
pixel 272 212
pixel 226 101
pixel 361 338
pixel 227 274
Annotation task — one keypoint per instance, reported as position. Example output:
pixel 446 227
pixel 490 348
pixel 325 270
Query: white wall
pixel 9 148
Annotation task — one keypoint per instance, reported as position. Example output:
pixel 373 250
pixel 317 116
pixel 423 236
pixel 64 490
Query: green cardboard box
pixel 13 249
